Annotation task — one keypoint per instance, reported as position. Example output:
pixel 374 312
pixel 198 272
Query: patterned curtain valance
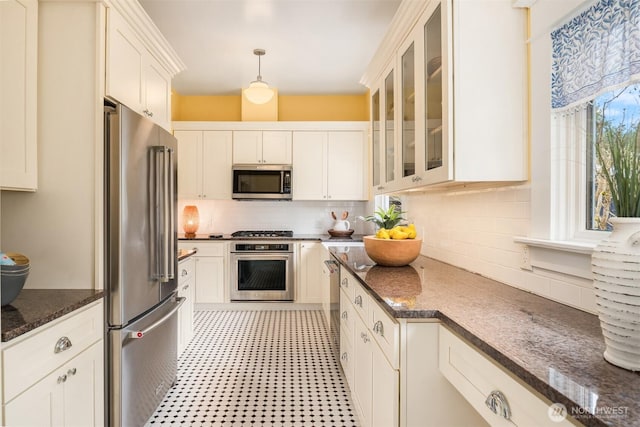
pixel 596 50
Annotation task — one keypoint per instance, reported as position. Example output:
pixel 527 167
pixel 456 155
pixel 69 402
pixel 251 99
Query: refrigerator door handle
pixel 142 333
pixel 162 211
pixel 170 254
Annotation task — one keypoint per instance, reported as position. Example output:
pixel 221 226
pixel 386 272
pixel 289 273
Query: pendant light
pixel 258 91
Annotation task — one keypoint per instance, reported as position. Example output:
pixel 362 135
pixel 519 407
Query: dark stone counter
pixel 554 348
pixel 37 307
pixel 296 237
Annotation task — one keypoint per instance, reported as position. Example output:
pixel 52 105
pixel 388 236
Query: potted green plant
pixel 386 219
pixel 616 259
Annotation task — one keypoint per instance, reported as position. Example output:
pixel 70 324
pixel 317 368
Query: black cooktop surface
pixel 262 233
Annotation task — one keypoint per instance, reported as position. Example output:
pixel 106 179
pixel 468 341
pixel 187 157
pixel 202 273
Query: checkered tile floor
pixel 261 368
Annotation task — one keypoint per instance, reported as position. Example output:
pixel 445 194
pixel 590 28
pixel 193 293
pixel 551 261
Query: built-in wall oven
pixel 262 270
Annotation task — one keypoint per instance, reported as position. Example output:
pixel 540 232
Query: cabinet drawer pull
pixel 358 300
pixel 72 371
pixel 345 282
pixel 62 378
pixel 64 343
pixel 344 356
pixel 378 328
pixel 497 403
pixel 344 315
pixel 184 273
pixel 364 337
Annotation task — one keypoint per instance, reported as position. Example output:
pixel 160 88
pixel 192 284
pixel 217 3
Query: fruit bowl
pixel 13 277
pixel 390 252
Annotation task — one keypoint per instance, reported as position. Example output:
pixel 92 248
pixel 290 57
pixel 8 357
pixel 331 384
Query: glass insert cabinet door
pixel 408 112
pixel 433 90
pixel 375 137
pixel 389 128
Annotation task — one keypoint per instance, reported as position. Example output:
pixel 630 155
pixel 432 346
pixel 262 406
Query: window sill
pixel 585 248
pixel 571 258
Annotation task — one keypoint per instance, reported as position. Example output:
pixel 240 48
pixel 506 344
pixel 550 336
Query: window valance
pixel 595 51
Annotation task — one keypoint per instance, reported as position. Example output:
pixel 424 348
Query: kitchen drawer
pixel 347 315
pixel 186 270
pixel 476 377
pixel 386 332
pixel 347 283
pixel 33 357
pixel 362 302
pixel 204 248
pixel 346 355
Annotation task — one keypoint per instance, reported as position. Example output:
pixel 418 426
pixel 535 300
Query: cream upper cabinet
pixel 134 76
pixel 204 164
pixel 428 128
pixel 262 147
pixel 18 94
pixel 330 165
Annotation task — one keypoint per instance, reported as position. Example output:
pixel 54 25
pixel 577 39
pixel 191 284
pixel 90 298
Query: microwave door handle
pixel 282 174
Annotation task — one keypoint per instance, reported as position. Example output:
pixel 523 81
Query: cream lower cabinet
pixel 372 379
pixel 45 387
pixel 478 379
pixel 310 285
pixel 186 289
pixel 391 366
pixel 210 274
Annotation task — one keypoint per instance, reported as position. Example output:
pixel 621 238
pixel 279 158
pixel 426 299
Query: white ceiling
pixel 312 46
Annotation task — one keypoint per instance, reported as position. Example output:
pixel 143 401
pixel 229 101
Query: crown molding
pixel 146 29
pixel 401 25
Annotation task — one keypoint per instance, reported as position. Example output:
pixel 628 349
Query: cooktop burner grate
pixel 262 233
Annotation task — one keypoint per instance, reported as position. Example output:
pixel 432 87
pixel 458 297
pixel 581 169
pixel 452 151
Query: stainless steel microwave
pixel 261 182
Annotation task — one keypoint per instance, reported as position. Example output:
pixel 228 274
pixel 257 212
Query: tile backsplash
pixel 303 217
pixel 474 228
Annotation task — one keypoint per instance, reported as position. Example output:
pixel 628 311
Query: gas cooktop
pixel 263 233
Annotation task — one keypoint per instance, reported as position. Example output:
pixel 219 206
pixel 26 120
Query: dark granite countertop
pixel 185 253
pixel 554 348
pixel 296 237
pixel 36 307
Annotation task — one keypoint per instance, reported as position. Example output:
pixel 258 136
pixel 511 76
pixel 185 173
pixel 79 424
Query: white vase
pixel 616 270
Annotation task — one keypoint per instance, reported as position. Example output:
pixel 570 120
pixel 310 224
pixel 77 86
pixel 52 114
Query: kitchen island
pixel 552 348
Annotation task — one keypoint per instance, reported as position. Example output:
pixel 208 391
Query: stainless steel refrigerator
pixel 140 265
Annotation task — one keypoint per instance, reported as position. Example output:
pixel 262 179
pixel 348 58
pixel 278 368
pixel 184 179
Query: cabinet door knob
pixel 72 371
pixel 497 403
pixel 344 315
pixel 344 356
pixel 184 273
pixel 364 337
pixel 63 344
pixel 62 378
pixel 345 282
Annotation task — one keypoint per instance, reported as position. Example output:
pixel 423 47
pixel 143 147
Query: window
pixel 595 98
pixel 614 114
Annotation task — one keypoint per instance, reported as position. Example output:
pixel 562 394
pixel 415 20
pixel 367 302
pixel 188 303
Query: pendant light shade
pixel 258 91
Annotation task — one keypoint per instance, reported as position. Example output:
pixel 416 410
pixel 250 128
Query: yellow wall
pixel 290 108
